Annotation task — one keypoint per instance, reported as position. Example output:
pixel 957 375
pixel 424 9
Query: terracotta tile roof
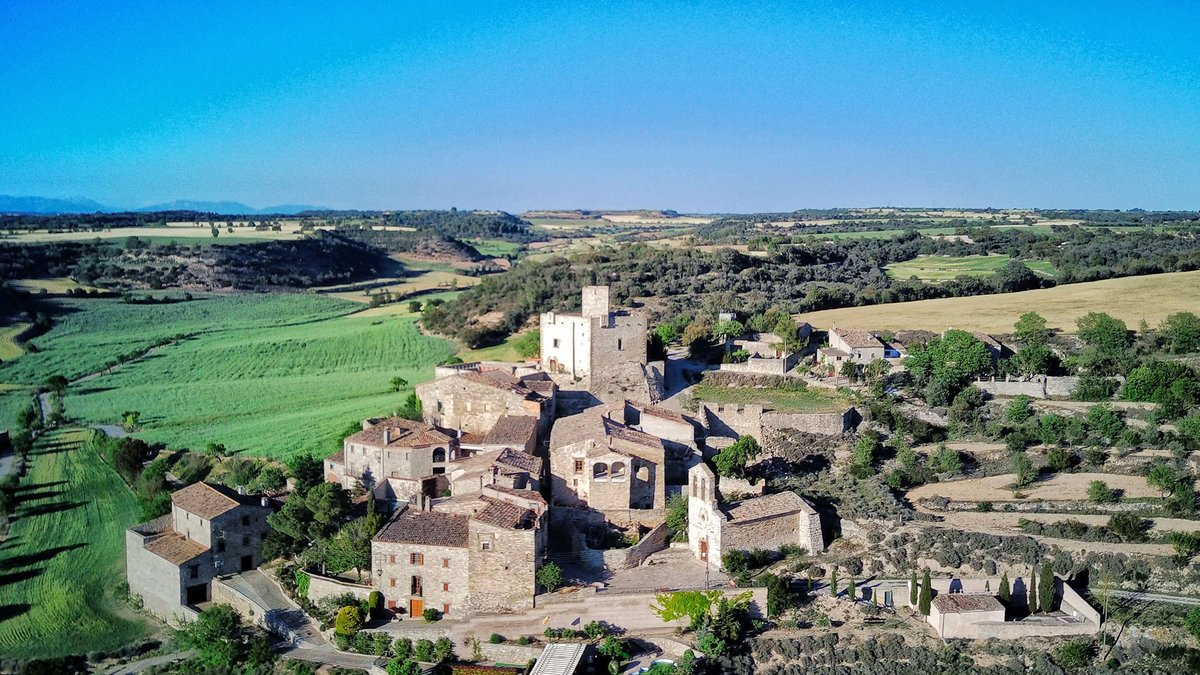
pixel 989 341
pixel 208 501
pixel 520 460
pixel 856 339
pixel 624 433
pixel 523 494
pixel 470 439
pixel 175 548
pixel 338 457
pixel 515 430
pixel 504 514
pixel 778 504
pixel 543 387
pixel 159 524
pixel 427 528
pixel 500 380
pixel 661 413
pixel 950 603
pixel 404 434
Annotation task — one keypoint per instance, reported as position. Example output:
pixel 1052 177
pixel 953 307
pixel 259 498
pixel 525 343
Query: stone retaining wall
pixel 505 653
pixel 1040 506
pixel 323 587
pixel 1039 386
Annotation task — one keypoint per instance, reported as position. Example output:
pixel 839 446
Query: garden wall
pixel 1039 386
pixel 624 558
pixel 323 587
pixel 514 654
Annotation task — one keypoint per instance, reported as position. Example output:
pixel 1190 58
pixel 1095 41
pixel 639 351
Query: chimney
pixel 387 435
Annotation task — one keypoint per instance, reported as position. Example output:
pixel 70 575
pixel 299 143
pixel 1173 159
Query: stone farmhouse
pixel 172 560
pixel 766 522
pixel 473 398
pixel 393 457
pixel 508 468
pixel 997 349
pixel 617 460
pixel 601 350
pixel 856 346
pixel 767 353
pixel 462 556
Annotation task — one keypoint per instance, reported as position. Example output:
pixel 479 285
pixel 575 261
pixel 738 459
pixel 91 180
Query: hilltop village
pixel 595 485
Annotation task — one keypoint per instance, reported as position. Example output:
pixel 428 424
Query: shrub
pixel 550 576
pixel 430 615
pixel 1128 527
pixel 1074 654
pixel 594 630
pixel 984 507
pixel 735 563
pixel 423 651
pixel 375 604
pixel 1098 492
pixel 443 650
pixel 524 640
pixel 497 638
pixel 349 621
pixel 402 648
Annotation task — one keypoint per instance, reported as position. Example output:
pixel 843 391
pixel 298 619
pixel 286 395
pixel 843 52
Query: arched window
pixel 643 473
pixel 439 455
pixel 599 471
pixel 618 471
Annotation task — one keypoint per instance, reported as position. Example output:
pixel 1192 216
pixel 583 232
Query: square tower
pixel 596 304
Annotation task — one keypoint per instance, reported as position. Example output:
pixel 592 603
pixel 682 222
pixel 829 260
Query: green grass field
pixel 495 248
pixel 943 268
pixel 64 556
pixel 809 400
pixel 268 374
pixel 9 349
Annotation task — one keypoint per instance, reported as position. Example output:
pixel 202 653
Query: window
pixel 194 571
pixel 439 406
pixel 392 559
pixel 246 521
pixel 415 587
pixel 445 609
pixel 555 343
pixel 618 344
pixel 220 546
pixel 445 586
pixel 599 471
pixel 439 455
pixel 246 540
pixel 391 604
pixel 579 466
pixel 618 471
pixel 445 562
pixel 393 582
pixel 416 558
pixel 485 545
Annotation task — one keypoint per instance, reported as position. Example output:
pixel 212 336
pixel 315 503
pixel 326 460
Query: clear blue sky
pixel 696 107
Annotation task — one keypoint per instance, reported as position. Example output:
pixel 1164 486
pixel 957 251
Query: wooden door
pixel 704 550
pixel 416 607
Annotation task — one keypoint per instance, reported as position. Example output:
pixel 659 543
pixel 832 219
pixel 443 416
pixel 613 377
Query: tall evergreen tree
pixel 852 592
pixel 1031 594
pixel 1046 588
pixel 1005 591
pixel 833 583
pixel 926 598
pixel 912 589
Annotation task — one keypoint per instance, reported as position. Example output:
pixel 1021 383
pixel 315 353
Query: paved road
pixel 160 660
pixel 284 617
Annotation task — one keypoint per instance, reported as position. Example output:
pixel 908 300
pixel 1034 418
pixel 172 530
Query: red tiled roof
pixel 521 460
pixel 503 514
pixel 513 430
pixel 427 528
pixel 175 548
pixel 404 434
pixel 207 501
pixel 966 602
pixel 857 339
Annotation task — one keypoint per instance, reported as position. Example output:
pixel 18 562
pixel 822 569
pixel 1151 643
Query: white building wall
pixel 573 336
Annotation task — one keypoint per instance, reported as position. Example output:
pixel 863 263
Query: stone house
pixel 856 346
pixel 578 344
pixel 953 615
pixel 393 457
pixel 480 557
pixel 767 353
pixel 507 467
pixel 997 349
pixel 474 398
pixel 172 560
pixel 766 522
pixel 617 460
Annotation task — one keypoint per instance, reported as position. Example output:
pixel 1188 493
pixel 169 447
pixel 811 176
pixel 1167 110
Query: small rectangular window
pixel 393 582
pixel 445 562
pixel 246 521
pixel 446 608
pixel 246 541
pixel 555 343
pixel 445 586
pixel 194 571
pixel 221 546
pixel 415 587
pixel 486 546
pixel 392 559
pixel 416 558
pixel 618 344
pixel 579 466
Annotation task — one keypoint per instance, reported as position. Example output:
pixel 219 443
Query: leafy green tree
pixel 1046 588
pixel 925 599
pixel 398 383
pixel 1102 332
pixel 1182 502
pixel 1036 360
pixel 727 330
pixel 1163 477
pixel 349 621
pixel 946 364
pixel 732 461
pixel 411 410
pixel 946 460
pixel 1129 527
pixel 677 515
pixel 1019 409
pixel 414 306
pixel 1098 492
pixel 865 449
pixel 307 471
pixel 1191 621
pixel 1104 423
pixel 1182 332
pixel 550 576
pixel 401 666
pixel 667 332
pixel 779 595
pixel 57 383
pixel 1005 590
pixel 217 637
pixel 528 344
pixel 735 563
pixel 692 605
pixel 1023 469
pixel 1189 431
pixel 1031 329
pixel 1058 459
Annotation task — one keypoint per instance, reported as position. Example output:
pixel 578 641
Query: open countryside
pixel 941 268
pixel 1128 299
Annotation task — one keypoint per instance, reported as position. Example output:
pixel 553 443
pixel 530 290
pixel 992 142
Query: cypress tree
pixel 1031 593
pixel 833 583
pixel 1005 591
pixel 1046 588
pixel 912 589
pixel 851 591
pixel 926 598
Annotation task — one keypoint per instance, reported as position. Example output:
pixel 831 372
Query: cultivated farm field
pixel 64 556
pixel 272 375
pixel 1131 299
pixel 943 268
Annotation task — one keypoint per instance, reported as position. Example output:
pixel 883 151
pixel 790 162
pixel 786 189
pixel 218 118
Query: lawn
pixel 943 268
pixel 64 557
pixel 495 248
pixel 268 374
pixel 56 285
pixel 1130 299
pixel 808 400
pixel 505 351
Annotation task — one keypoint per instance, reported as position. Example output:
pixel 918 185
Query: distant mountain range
pixel 49 205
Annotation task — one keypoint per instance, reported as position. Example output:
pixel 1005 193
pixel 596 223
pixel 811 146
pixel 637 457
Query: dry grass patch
pixel 1062 486
pixel 1131 299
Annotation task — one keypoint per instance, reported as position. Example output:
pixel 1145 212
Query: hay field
pixel 943 268
pixel 1130 299
pixel 65 555
pixel 1061 486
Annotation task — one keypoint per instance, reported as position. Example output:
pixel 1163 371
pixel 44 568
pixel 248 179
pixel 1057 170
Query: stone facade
pixel 171 561
pixel 855 346
pixel 479 555
pixel 1078 617
pixel 732 421
pixel 593 341
pixel 768 522
pixel 474 399
pixel 1038 386
pixel 392 457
